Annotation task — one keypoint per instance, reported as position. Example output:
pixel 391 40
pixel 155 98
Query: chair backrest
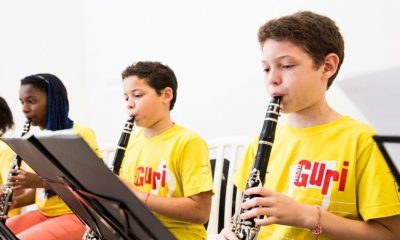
pixel 108 155
pixel 227 153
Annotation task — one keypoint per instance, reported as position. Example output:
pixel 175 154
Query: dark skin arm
pixel 25 199
pixel 24 179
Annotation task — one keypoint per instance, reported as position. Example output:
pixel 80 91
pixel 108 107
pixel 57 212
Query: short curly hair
pixel 316 34
pixel 156 75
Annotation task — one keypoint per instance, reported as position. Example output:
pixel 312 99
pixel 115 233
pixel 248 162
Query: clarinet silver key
pixel 90 235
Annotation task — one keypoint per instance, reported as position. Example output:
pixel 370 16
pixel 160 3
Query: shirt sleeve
pixel 378 194
pixel 89 137
pixel 195 168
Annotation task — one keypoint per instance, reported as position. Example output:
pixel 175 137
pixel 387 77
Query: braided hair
pixel 6 118
pixel 57 99
pixel 57 104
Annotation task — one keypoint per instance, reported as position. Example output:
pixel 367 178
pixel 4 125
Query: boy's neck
pixel 158 128
pixel 313 116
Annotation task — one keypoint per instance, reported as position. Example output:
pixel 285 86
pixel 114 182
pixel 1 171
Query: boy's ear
pixel 331 64
pixel 167 93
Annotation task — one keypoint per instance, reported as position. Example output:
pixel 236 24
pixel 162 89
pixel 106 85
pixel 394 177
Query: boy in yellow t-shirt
pixel 165 164
pixel 326 178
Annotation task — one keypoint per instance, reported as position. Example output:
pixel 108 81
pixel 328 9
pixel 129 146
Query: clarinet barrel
pixel 247 229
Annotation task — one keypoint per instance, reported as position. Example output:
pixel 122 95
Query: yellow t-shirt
pixel 172 164
pixel 55 206
pixel 6 157
pixel 336 165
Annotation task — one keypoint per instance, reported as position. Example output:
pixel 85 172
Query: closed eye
pixel 287 66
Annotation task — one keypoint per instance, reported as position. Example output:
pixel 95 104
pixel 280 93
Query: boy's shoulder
pixel 356 126
pixel 184 132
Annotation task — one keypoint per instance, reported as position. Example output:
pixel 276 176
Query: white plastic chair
pixel 108 155
pixel 231 149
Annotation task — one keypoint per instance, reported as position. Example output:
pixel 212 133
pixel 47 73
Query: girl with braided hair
pixel 45 102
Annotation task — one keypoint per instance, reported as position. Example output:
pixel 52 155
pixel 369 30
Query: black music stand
pixel 88 187
pixel 383 144
pixel 6 234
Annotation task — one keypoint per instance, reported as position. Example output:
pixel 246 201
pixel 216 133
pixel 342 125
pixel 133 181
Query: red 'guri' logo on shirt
pixel 147 175
pixel 316 174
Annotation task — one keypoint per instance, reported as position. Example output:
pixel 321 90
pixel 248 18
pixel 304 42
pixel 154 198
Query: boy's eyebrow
pixel 279 58
pixel 284 56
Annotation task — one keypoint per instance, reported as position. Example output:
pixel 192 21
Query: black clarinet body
pixel 6 197
pixel 247 229
pixel 122 143
pixel 116 163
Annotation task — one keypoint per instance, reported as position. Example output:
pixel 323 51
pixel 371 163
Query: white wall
pixel 42 36
pixel 211 45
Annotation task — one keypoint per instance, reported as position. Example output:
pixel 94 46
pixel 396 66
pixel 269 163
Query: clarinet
pixel 116 164
pixel 122 143
pixel 247 229
pixel 6 197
